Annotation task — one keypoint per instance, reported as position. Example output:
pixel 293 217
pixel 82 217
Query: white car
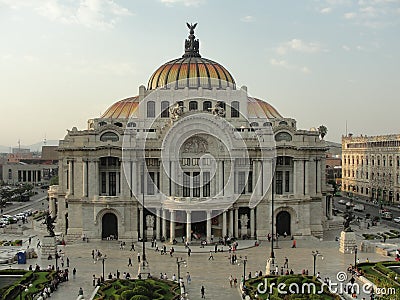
pixel 342 201
pixel 396 220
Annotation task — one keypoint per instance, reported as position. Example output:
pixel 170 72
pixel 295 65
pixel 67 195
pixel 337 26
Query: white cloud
pixel 89 13
pixel 299 46
pixel 247 19
pixel 184 2
pixel 345 47
pixel 350 15
pixel 284 64
pixel 325 10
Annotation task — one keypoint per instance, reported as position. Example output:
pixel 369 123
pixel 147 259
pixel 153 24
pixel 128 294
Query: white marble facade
pixel 207 173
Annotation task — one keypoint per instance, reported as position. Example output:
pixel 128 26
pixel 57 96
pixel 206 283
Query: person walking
pixel 203 292
pixel 188 278
pixel 211 256
pixel 73 273
pixel 230 280
pixel 189 251
pixel 129 262
pixel 294 243
pixel 138 257
pixel 80 293
pixel 67 262
pixel 286 264
pixel 132 247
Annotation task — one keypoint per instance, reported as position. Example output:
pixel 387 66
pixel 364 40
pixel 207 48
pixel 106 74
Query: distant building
pixel 23 167
pixel 371 166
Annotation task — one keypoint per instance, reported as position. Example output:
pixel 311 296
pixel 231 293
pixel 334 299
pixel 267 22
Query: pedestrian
pixel 384 238
pixel 138 257
pixel 73 273
pixel 93 254
pixel 230 280
pixel 286 264
pixel 235 282
pixel 188 278
pixel 67 262
pixel 203 292
pixel 216 248
pixel 94 280
pixel 129 262
pixel 80 293
pixel 189 251
pixel 38 244
pixel 211 256
pixel 132 247
pixel 30 239
pixel 294 244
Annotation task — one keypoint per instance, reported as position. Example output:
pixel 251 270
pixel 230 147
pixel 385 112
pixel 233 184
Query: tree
pixel 322 130
pixel 54 180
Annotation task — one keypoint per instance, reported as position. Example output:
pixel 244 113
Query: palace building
pixel 193 156
pixel 371 166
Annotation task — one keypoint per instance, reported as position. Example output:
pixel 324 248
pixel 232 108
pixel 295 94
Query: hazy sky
pixel 320 62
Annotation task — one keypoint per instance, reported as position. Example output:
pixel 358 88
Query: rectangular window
pixel 185 161
pixel 112 187
pixel 287 181
pixel 164 109
pixel 235 109
pixel 250 182
pixel 196 184
pixel 278 183
pixel 150 183
pixel 241 182
pixel 206 184
pixel 195 162
pixel 186 184
pixel 103 183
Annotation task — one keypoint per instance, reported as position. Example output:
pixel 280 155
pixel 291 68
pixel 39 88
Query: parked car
pixel 342 201
pixel 397 220
pixel 359 207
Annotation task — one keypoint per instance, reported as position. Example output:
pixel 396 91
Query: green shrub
pixel 141 290
pixel 127 295
pixel 140 297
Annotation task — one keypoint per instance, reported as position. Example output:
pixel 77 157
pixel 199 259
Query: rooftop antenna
pixel 19 145
pixel 44 140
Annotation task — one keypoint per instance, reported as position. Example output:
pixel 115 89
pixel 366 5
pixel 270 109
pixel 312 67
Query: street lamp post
pixel 355 256
pixel 143 222
pixel 102 262
pixel 315 254
pixel 179 262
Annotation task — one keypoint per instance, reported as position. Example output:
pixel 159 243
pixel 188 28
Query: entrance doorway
pixel 109 226
pixel 283 223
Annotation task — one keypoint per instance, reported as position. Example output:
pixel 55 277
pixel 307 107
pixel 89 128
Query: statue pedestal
pixel 270 267
pixel 144 270
pixel 49 246
pixel 243 230
pixel 149 233
pixel 347 242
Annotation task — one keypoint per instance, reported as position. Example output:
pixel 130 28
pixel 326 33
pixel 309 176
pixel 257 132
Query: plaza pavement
pixel 213 274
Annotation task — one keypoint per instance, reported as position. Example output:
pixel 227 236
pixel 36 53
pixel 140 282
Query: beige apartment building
pixel 371 166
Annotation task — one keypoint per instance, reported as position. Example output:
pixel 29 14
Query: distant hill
pixel 33 147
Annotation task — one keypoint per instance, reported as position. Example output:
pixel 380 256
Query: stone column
pixel 307 177
pixel 208 226
pixel 91 178
pixel 236 220
pixel 188 225
pixel 141 229
pixel 134 178
pixel 172 227
pixel 96 177
pixel 259 186
pixel 84 178
pixel 231 223
pixel 173 178
pixel 220 170
pixel 52 207
pixel 71 176
pixel 252 223
pixel 164 223
pixel 224 229
pixel 295 190
pixel 158 224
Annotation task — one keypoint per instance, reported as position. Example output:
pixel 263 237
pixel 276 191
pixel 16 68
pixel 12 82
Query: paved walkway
pixel 213 274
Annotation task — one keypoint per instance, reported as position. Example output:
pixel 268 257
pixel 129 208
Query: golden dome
pixel 191 70
pixel 122 109
pixel 258 108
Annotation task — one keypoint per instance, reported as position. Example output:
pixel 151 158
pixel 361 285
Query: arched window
pixel 119 124
pixel 207 105
pixel 131 124
pixel 109 136
pixel 267 124
pixel 164 109
pixel 193 105
pixel 254 124
pixel 283 136
pixel 151 109
pixel 102 123
pixel 235 109
pixel 283 123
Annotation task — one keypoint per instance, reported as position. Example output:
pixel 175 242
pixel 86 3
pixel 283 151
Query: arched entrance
pixel 109 226
pixel 283 223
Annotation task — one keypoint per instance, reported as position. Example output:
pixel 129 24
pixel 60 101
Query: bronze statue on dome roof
pixel 191 44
